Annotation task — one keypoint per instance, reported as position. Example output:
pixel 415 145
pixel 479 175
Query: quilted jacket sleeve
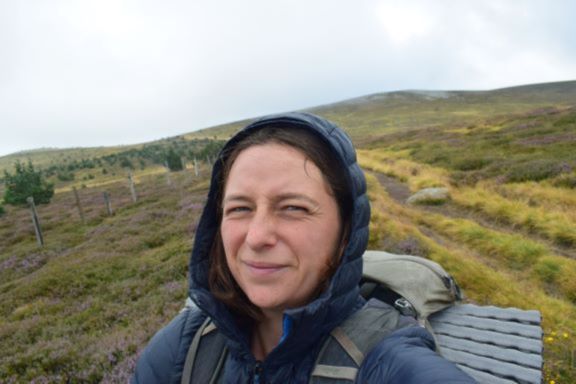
pixel 162 361
pixel 408 357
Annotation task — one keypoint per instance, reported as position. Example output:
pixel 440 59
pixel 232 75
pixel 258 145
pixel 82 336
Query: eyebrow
pixel 237 197
pixel 296 196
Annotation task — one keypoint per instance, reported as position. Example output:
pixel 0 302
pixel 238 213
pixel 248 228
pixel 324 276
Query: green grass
pixel 555 224
pixel 515 251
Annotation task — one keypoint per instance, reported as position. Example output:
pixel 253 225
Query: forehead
pixel 273 163
pixel 262 156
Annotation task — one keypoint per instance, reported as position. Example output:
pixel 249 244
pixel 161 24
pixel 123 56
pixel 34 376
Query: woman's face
pixel 280 226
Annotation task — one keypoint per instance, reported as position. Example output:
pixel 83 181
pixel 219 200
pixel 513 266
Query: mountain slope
pixel 383 113
pixel 370 116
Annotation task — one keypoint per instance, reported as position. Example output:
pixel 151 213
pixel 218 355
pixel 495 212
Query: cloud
pixel 405 22
pixel 111 72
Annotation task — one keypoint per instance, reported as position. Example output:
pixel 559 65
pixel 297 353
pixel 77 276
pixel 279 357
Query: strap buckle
pixel 405 307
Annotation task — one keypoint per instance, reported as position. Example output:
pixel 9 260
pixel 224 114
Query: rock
pixel 430 196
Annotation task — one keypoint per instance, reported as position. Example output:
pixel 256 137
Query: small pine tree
pixel 173 161
pixel 126 163
pixel 25 182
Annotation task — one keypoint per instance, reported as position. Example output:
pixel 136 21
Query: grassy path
pixel 493 264
pixel 400 191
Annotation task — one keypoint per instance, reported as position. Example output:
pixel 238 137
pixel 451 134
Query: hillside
pixel 364 118
pixel 82 307
pixel 508 231
pixel 374 115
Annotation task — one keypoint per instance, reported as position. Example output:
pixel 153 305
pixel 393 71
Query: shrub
pixel 409 245
pixel 536 170
pixel 566 120
pixel 65 176
pixel 173 161
pixel 211 149
pixel 26 182
pixel 471 164
pixel 126 163
pixel 462 178
pixel 565 181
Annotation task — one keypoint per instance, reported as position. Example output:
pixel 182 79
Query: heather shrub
pixel 465 178
pixel 65 176
pixel 471 163
pixel 409 245
pixel 566 120
pixel 565 181
pixel 536 170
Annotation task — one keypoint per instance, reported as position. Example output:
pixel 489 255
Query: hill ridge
pixel 382 113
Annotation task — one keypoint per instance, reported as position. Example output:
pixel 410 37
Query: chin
pixel 267 303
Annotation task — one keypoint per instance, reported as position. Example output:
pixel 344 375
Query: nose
pixel 261 231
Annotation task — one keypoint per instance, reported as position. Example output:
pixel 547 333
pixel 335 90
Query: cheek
pixel 230 258
pixel 332 241
pixel 228 244
pixel 229 233
pixel 328 234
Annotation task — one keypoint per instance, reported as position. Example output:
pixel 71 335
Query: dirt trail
pixel 400 193
pixel 396 189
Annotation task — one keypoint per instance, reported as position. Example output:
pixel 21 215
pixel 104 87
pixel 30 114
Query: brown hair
pixel 222 284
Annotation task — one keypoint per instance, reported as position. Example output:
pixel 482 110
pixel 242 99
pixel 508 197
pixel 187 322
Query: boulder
pixel 430 196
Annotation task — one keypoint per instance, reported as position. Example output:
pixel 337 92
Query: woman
pixel 276 264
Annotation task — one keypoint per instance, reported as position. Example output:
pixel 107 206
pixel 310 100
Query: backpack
pixel 491 344
pixel 415 286
pixel 394 285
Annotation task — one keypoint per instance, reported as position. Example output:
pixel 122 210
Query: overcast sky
pixel 109 72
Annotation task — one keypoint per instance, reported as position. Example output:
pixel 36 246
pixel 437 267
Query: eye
pixel 295 208
pixel 236 209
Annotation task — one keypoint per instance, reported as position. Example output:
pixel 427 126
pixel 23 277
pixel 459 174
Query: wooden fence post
pixel 195 167
pixel 108 204
pixel 132 188
pixel 35 221
pixel 168 176
pixel 79 204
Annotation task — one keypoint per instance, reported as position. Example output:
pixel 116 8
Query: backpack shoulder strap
pixel 345 348
pixel 205 356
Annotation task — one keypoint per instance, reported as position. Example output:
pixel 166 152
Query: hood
pixel 341 297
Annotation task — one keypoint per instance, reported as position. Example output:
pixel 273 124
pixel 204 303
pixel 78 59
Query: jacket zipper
pixel 257 373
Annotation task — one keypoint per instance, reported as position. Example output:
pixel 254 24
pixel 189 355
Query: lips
pixel 264 269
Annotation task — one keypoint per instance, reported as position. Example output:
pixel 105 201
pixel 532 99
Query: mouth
pixel 264 269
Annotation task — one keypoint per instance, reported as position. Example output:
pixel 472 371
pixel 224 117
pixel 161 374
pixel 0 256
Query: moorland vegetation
pixel 80 308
